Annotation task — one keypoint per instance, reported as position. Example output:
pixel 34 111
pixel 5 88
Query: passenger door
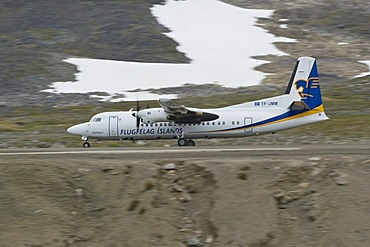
pixel 113 126
pixel 248 121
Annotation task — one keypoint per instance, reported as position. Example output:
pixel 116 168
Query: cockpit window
pixel 96 119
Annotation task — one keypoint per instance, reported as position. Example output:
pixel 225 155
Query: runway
pixel 195 152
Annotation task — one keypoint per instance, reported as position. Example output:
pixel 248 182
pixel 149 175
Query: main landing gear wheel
pixel 185 142
pixel 182 142
pixel 86 145
pixel 191 142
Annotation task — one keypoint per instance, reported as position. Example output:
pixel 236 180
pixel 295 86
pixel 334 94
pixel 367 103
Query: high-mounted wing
pixel 171 107
pixel 181 114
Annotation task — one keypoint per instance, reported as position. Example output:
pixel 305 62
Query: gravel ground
pixel 254 200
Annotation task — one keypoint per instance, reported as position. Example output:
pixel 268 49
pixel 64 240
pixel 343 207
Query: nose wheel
pixel 86 145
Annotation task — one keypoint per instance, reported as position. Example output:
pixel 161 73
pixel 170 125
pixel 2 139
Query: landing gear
pixel 182 142
pixel 191 142
pixel 185 142
pixel 85 144
pixel 181 139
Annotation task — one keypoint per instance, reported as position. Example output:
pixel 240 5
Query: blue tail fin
pixel 304 86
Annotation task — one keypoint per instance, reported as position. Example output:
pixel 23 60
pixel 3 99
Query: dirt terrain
pixel 234 200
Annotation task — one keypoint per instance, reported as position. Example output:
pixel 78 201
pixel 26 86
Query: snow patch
pixel 284 26
pixel 219 38
pixel 133 96
pixel 365 73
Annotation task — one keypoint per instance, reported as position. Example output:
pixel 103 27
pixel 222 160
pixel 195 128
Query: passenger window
pixel 213 123
pixel 160 124
pixel 223 123
pixel 233 122
pixel 237 122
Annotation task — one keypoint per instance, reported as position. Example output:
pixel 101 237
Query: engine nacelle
pixel 153 115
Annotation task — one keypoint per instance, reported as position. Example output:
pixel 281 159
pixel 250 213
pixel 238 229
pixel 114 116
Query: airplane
pixel 301 104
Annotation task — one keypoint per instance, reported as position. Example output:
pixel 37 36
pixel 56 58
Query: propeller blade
pixel 137 114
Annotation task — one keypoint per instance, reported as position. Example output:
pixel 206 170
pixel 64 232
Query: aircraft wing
pixel 181 114
pixel 172 108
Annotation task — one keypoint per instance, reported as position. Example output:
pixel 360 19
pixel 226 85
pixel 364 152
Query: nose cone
pixel 79 129
pixel 71 130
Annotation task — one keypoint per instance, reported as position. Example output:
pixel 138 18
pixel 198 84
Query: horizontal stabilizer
pixel 299 106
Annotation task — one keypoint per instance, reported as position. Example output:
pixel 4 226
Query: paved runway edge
pixel 311 150
pixel 144 151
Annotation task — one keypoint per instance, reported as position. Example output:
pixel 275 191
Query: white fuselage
pixel 301 104
pixel 232 122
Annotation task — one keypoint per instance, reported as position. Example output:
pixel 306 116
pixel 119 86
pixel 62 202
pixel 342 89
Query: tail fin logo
pixel 309 91
pixel 303 86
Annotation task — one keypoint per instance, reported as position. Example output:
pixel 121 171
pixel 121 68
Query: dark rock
pixel 340 181
pixel 106 169
pixel 193 241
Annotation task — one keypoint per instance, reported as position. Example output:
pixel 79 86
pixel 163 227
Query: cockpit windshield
pixel 95 119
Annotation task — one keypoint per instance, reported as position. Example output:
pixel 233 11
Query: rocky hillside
pixel 37 36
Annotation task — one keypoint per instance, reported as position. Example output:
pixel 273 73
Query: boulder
pixel 169 167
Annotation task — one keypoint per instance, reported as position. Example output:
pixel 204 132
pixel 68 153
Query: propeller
pixel 137 114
